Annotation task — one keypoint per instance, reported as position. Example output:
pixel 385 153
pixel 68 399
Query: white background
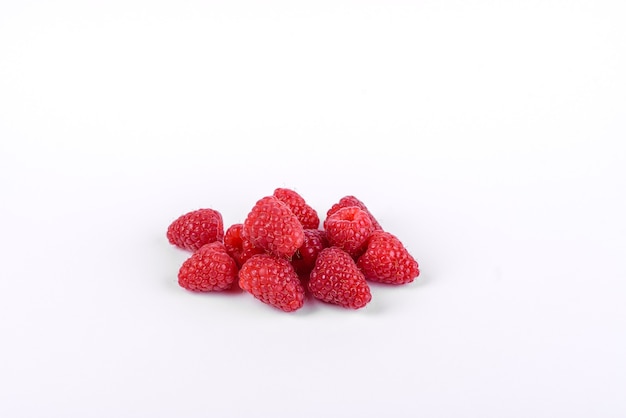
pixel 489 136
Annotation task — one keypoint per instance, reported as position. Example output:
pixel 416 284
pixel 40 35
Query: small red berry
pixel 348 201
pixel 273 281
pixel 349 228
pixel 195 229
pixel 305 213
pixel 336 279
pixel 210 269
pixel 386 260
pixel 272 226
pixel 239 247
pixel 304 259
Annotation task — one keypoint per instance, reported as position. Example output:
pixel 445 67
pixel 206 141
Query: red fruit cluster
pixel 278 254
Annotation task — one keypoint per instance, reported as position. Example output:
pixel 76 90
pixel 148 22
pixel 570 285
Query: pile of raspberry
pixel 279 254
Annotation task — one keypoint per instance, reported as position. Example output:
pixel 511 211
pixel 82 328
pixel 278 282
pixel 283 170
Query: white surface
pixel 116 118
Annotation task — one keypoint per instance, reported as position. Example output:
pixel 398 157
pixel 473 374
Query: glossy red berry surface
pixel 273 281
pixel 348 201
pixel 195 229
pixel 209 269
pixel 349 228
pixel 304 259
pixel 239 247
pixel 306 214
pixel 386 260
pixel 272 226
pixel 336 279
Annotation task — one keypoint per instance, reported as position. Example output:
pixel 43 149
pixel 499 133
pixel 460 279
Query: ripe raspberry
pixel 387 261
pixel 304 259
pixel 272 226
pixel 349 228
pixel 305 213
pixel 348 201
pixel 195 229
pixel 336 279
pixel 239 247
pixel 210 269
pixel 273 281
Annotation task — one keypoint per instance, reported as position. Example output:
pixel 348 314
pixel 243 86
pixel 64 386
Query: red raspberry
pixel 239 247
pixel 195 229
pixel 387 261
pixel 336 279
pixel 210 269
pixel 305 213
pixel 273 281
pixel 272 226
pixel 349 228
pixel 348 201
pixel 304 259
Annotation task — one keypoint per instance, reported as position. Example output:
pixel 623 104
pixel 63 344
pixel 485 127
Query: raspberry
pixel 304 259
pixel 348 201
pixel 272 226
pixel 349 228
pixel 387 261
pixel 336 279
pixel 239 247
pixel 305 213
pixel 273 281
pixel 210 269
pixel 195 229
